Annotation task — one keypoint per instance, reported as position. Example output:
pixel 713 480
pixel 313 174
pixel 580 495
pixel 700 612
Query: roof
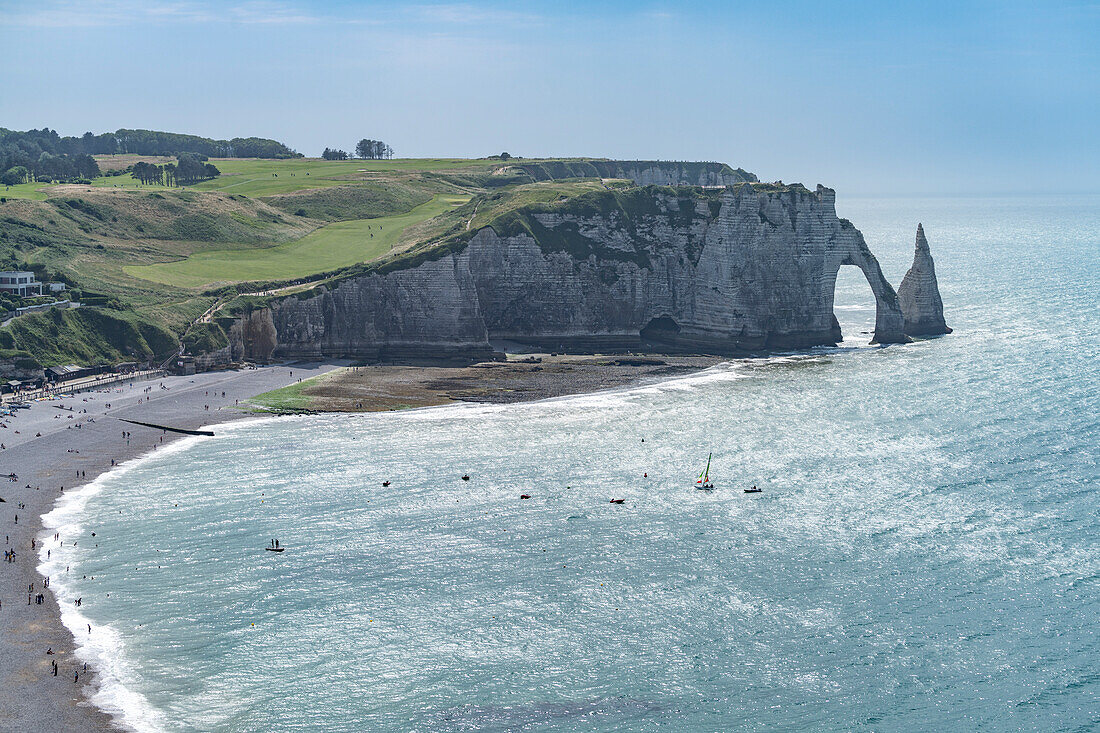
pixel 67 369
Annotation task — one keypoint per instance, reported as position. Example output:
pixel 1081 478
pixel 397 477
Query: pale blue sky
pixel 867 97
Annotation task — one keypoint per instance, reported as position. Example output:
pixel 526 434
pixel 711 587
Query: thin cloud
pixel 468 14
pixel 98 13
pixel 264 12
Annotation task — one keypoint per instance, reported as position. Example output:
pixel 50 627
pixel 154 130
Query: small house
pixel 22 284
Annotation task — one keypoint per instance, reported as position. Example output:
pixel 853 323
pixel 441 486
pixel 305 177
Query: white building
pixel 20 283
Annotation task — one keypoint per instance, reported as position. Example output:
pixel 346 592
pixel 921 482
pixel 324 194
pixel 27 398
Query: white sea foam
pixel 105 648
pixel 927 525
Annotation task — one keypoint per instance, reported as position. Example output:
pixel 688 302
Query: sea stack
pixel 919 294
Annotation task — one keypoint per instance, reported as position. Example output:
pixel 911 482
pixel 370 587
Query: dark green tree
pixel 15 175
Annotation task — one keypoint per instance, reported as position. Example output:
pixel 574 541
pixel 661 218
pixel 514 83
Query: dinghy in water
pixel 704 483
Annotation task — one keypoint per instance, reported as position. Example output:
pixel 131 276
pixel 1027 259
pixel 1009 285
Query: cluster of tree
pixel 70 157
pixel 187 169
pixel 36 155
pixel 367 149
pixel 151 142
pixel 373 150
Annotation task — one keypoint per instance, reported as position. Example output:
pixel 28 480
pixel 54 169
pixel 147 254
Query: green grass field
pixel 267 177
pixel 270 177
pixel 290 399
pixel 34 191
pixel 337 245
pixel 260 177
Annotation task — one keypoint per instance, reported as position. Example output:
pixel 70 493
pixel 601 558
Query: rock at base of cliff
pixel 919 294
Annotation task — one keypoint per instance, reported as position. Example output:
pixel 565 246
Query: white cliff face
pixel 742 270
pixel 919 294
pixel 428 311
pixel 672 175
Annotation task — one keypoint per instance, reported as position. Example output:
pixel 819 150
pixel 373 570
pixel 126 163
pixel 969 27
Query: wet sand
pixel 46 449
pixel 520 379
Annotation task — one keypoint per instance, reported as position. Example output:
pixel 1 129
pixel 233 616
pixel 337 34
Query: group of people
pixel 36 596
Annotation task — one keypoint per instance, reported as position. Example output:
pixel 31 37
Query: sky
pixel 870 98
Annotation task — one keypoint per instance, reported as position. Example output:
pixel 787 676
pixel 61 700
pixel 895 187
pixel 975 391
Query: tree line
pixel 366 149
pixel 43 155
pixel 151 142
pixel 187 169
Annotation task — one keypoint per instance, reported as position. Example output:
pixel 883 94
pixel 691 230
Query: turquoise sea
pixel 925 555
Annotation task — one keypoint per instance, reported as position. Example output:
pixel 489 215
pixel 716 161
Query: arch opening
pixel 661 331
pixel 855 307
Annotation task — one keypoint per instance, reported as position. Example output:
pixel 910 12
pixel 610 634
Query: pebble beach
pixel 58 445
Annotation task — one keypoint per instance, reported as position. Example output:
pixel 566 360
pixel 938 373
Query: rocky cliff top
pixel 641 172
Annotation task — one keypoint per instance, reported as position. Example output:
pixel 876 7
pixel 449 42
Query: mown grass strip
pixel 331 247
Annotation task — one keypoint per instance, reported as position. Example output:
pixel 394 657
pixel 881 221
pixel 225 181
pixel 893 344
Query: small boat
pixel 274 549
pixel 617 501
pixel 385 483
pixel 753 490
pixel 704 483
pixel 525 496
pixel 465 477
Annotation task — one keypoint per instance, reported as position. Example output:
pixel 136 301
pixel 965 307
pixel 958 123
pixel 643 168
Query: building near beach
pixel 72 371
pixel 20 283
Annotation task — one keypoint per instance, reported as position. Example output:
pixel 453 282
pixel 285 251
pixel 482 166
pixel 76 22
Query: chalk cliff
pixel 919 294
pixel 641 172
pixel 742 269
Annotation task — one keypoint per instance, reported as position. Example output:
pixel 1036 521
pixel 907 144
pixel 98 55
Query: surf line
pixel 166 427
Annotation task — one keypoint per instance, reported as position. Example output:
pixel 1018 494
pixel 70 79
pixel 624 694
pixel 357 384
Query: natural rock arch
pixel 889 323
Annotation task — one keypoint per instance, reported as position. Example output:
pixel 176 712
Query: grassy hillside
pixel 343 203
pixel 88 336
pixel 152 259
pixel 334 246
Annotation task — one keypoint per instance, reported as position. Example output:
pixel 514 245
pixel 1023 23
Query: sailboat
pixel 704 482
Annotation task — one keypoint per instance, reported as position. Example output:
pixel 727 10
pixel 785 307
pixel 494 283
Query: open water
pixel 925 554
